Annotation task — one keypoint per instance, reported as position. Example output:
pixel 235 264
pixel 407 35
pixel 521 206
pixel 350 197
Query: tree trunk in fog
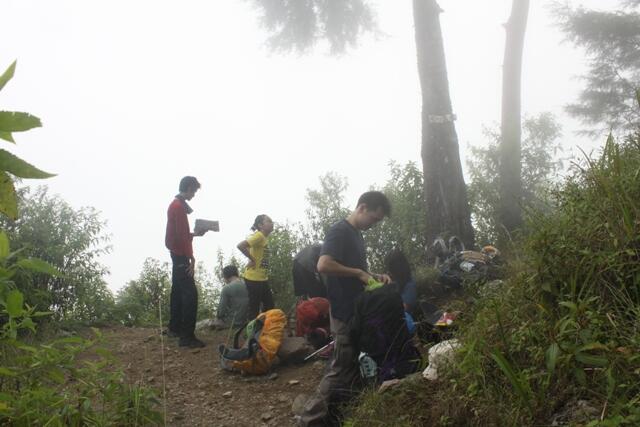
pixel 510 142
pixel 445 191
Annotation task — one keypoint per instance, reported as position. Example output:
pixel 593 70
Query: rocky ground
pixel 198 391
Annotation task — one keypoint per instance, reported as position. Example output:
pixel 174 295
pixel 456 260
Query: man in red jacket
pixel 184 296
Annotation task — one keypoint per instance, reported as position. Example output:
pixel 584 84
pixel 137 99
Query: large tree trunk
pixel 510 142
pixel 445 191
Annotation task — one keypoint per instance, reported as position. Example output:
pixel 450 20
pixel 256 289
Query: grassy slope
pixel 560 340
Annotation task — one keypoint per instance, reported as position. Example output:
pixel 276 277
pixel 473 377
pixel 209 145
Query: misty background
pixel 135 95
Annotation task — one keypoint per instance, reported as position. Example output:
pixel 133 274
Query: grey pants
pixel 339 383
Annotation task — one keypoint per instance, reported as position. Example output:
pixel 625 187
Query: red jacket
pixel 178 237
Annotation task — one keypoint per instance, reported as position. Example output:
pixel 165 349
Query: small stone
pixel 227 394
pixel 273 376
pixel 294 382
pixel 318 364
pixel 151 379
pixel 266 416
pixel 195 351
pixel 147 370
pixel 297 407
pixel 283 399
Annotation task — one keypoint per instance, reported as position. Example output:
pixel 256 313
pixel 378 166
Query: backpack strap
pixel 236 336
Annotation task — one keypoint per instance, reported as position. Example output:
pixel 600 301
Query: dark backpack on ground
pixel 378 328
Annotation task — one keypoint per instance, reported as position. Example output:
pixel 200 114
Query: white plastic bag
pixel 439 355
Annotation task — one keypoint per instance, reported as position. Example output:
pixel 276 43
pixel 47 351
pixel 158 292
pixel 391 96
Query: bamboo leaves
pixel 13 121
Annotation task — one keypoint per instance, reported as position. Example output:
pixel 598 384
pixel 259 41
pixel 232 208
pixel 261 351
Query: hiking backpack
pixel 379 329
pixel 265 334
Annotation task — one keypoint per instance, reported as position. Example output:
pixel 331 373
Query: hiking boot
pixel 192 342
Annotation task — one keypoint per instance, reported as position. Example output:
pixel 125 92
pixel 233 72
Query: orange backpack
pixel 258 353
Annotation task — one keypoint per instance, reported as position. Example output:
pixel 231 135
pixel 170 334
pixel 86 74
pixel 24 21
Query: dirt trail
pixel 197 388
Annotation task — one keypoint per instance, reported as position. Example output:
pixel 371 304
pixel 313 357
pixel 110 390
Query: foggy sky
pixel 136 94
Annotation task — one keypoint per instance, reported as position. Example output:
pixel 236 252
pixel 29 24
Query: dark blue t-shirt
pixel 344 243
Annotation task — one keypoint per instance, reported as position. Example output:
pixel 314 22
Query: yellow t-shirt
pixel 260 252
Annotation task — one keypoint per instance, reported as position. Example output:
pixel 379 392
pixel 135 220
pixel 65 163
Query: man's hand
pixel 364 277
pixel 382 278
pixel 191 267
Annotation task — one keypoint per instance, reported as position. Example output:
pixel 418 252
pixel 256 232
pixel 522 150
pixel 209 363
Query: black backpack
pixel 378 328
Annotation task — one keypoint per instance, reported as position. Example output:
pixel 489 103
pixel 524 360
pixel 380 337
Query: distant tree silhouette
pixel 511 128
pixel 298 25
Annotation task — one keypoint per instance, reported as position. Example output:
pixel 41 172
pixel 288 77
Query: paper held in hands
pixel 204 225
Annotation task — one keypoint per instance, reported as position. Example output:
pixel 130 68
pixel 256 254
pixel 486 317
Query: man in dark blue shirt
pixel 343 260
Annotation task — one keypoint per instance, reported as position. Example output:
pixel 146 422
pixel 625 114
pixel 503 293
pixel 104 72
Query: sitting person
pixel 234 299
pixel 399 270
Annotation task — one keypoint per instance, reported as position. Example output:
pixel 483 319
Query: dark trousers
pixel 259 293
pixel 184 298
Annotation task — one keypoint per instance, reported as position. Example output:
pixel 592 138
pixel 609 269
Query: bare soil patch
pixel 198 391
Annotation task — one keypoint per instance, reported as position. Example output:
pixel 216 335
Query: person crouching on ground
pixel 256 275
pixel 178 239
pixel 234 299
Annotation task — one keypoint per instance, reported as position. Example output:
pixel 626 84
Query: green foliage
pixel 11 299
pixel 299 25
pixel 49 385
pixel 46 384
pixel 284 243
pixel 558 342
pixel 565 328
pixel 209 287
pixel 12 121
pixel 540 165
pixel 72 240
pixel 137 303
pixel 51 230
pixel 610 39
pixel 326 206
pixel 406 228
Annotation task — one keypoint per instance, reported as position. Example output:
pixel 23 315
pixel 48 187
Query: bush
pixel 559 341
pixel 565 328
pixel 46 384
pixel 70 239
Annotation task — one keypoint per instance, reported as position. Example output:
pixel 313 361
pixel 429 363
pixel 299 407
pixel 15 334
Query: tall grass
pixel 563 333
